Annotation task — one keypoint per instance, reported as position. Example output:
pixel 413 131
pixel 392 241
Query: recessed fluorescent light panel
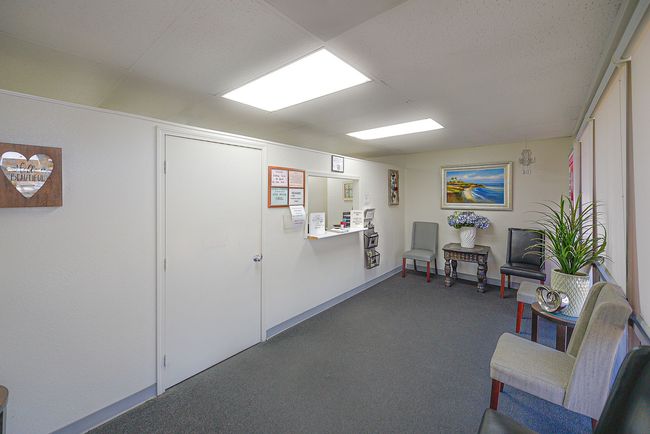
pixel 313 76
pixel 397 129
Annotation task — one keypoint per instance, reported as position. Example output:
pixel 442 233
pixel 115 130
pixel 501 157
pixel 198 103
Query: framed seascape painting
pixel 480 186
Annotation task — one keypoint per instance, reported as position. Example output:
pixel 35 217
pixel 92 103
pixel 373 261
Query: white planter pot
pixel 468 237
pixel 576 288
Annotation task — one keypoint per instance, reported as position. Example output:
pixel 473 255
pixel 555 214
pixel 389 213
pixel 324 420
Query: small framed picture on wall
pixel 393 187
pixel 338 164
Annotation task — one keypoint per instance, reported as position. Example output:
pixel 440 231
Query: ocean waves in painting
pixel 486 194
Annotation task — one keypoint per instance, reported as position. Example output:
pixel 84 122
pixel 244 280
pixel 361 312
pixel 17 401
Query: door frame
pixel 162 132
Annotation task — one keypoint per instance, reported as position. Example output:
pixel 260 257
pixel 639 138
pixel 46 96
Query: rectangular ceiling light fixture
pixel 313 76
pixel 397 129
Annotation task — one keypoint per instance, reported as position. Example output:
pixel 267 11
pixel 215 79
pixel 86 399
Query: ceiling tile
pixel 329 18
pixel 114 32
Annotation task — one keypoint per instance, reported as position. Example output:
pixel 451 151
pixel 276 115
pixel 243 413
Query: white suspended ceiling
pixel 491 71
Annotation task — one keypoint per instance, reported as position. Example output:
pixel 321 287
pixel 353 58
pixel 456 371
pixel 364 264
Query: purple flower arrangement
pixel 460 219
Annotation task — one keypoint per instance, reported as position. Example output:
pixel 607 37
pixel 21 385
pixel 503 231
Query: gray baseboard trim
pixel 464 276
pixel 105 414
pixel 277 329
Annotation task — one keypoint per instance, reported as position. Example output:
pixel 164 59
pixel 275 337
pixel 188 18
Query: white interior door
pixel 213 232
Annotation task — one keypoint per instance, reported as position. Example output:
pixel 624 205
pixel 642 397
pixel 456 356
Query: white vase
pixel 468 237
pixel 576 287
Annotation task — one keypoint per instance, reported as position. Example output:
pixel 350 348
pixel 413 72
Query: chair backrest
pixel 594 344
pixel 520 246
pixel 425 236
pixel 627 407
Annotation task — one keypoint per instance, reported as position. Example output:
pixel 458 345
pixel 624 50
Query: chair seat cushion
pixel 531 367
pixel 494 422
pixel 420 255
pixel 523 270
pixel 527 292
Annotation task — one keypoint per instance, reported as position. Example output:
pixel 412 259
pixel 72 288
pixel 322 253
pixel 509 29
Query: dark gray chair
pixel 625 411
pixel 525 256
pixel 424 247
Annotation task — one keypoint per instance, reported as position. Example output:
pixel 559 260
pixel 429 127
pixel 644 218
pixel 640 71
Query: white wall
pixel 77 317
pixel 317 198
pixel 421 179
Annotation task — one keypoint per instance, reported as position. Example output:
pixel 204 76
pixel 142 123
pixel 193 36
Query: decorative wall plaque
pixel 286 187
pixel 31 176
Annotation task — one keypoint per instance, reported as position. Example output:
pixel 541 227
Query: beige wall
pixel 420 179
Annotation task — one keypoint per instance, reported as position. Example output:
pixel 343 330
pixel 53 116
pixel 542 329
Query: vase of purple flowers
pixel 467 222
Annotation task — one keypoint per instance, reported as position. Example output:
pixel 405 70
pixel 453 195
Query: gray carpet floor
pixel 402 357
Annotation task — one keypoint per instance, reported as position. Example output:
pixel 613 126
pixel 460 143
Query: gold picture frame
pixel 477 187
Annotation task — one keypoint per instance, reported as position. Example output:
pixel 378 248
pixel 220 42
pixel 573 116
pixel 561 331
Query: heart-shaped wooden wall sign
pixel 27 176
pixel 33 176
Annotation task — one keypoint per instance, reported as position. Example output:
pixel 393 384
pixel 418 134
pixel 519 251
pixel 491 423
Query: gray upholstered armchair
pixel 578 379
pixel 424 247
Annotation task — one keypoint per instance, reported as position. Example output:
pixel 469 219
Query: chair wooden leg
pixel 520 314
pixel 503 282
pixel 403 267
pixel 508 281
pixel 428 271
pixel 494 397
pixel 542 282
pixel 594 424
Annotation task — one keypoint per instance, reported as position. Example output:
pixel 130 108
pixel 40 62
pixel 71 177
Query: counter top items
pixel 316 223
pixel 333 233
pixel 356 218
pixel 454 252
pixel 286 187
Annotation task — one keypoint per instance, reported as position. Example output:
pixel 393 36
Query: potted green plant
pixel 572 244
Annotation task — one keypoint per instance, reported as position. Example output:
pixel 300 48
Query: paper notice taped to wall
pixel 297 214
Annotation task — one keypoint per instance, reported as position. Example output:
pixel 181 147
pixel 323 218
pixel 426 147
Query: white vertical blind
pixel 609 139
pixel 587 163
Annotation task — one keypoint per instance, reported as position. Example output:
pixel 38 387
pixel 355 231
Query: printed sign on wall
pixel 32 176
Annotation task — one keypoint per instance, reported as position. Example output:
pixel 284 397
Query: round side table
pixel 564 323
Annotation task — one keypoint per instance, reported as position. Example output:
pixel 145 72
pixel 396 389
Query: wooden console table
pixel 454 253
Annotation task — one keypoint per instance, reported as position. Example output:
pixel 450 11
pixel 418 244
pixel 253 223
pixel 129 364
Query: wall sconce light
pixel 526 160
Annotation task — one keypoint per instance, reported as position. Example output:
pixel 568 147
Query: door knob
pixel 257 258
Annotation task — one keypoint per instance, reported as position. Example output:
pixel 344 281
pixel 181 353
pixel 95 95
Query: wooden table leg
pixel 448 272
pixel 560 338
pixel 533 330
pixel 482 277
pixel 569 333
pixel 454 265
